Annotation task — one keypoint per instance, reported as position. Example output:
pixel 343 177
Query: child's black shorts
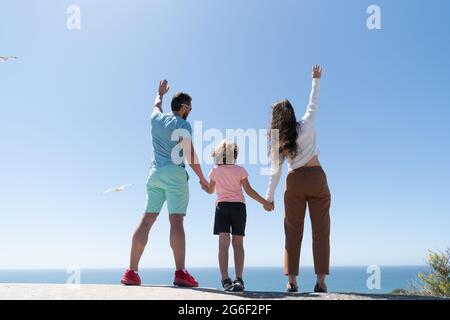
pixel 231 218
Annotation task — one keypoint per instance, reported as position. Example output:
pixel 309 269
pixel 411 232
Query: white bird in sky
pixel 4 59
pixel 117 189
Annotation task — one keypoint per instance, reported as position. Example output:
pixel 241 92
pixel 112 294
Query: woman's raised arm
pixel 313 104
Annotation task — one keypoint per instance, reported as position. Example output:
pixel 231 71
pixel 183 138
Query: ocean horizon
pixel 341 279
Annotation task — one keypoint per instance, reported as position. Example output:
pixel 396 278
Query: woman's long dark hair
pixel 284 120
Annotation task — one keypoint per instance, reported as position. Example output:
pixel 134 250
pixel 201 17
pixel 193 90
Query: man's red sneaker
pixel 184 279
pixel 131 278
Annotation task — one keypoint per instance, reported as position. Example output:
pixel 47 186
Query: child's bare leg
pixel 238 248
pixel 224 245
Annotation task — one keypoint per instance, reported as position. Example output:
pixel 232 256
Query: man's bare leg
pixel 178 240
pixel 140 239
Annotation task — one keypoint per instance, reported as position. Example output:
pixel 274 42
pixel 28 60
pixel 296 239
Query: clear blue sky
pixel 75 106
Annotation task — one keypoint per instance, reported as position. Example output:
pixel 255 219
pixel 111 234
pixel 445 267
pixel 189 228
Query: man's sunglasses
pixel 187 106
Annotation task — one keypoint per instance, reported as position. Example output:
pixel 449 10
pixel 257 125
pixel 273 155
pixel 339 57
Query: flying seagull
pixel 117 189
pixel 4 59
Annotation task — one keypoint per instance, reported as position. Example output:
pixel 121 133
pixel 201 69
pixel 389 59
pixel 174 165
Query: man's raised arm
pixel 162 90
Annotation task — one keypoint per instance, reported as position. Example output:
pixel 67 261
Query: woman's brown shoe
pixel 292 287
pixel 321 288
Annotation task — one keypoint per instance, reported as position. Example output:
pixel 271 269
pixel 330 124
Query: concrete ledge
pixel 118 292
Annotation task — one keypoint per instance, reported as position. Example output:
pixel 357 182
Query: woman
pixel 306 184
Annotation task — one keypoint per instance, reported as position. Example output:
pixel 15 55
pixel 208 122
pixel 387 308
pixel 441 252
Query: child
pixel 230 216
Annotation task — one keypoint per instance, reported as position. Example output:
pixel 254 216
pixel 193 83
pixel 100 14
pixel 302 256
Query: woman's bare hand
pixel 317 71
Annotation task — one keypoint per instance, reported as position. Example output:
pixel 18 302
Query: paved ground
pixel 117 292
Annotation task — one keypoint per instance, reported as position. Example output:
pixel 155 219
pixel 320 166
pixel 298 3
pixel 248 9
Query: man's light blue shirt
pixel 167 131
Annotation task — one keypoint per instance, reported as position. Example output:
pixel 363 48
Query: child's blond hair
pixel 226 152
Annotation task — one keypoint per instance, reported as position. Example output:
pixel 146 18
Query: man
pixel 168 181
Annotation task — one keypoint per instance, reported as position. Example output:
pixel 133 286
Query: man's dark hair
pixel 179 99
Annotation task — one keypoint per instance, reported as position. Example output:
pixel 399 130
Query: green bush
pixel 437 281
pixel 401 292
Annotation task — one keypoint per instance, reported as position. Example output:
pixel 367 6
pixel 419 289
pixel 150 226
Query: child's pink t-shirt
pixel 228 180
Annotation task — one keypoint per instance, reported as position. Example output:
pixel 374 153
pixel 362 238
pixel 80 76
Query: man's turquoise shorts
pixel 169 183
